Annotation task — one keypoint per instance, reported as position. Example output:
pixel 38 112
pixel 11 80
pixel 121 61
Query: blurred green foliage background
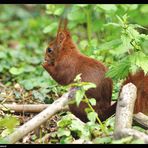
pixel 25 31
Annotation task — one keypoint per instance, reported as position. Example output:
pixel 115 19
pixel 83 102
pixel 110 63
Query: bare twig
pixel 40 118
pixel 43 139
pixel 29 108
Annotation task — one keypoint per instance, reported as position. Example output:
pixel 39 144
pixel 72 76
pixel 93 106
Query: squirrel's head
pixel 58 45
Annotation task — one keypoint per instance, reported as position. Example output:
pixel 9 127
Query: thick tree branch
pixel 141 120
pixel 124 114
pixel 132 132
pixel 125 107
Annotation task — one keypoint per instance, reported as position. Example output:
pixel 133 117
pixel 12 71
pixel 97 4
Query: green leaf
pixel 110 122
pixel 138 141
pixel 79 96
pixel 120 20
pixel 6 132
pixel 138 26
pixel 86 134
pixel 144 9
pixel 16 71
pixel 88 110
pixel 3 141
pixel 92 101
pixel 125 140
pixel 88 86
pixel 107 7
pixel 82 5
pixel 54 9
pixel 50 28
pixel 38 95
pixel 28 84
pixel 139 128
pixel 9 122
pixel 110 44
pixel 64 122
pixel 29 68
pixel 63 132
pixel 126 42
pixel 120 70
pixel 78 78
pixel 74 14
pixel 83 44
pixel 103 140
pixel 2 55
pixel 141 60
pixel 76 126
pixel 66 140
pixel 92 116
pixel 111 24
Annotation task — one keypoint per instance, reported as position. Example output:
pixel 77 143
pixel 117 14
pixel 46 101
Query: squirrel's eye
pixel 49 49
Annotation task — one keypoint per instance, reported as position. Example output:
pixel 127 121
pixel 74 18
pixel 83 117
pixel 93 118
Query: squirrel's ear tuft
pixel 61 37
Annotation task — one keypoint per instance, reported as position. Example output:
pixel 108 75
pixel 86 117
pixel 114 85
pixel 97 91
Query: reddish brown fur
pixel 65 62
pixel 141 82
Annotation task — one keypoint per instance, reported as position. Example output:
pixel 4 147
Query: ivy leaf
pixel 103 140
pixel 63 132
pixel 78 78
pixel 92 116
pixel 37 95
pixel 3 141
pixel 76 126
pixel 107 7
pixel 79 96
pixel 16 71
pixel 9 122
pixel 125 140
pixel 74 14
pixel 92 101
pixel 66 140
pixel 2 55
pixel 89 85
pixel 82 5
pixel 28 84
pixel 50 28
pixel 65 121
pixel 54 9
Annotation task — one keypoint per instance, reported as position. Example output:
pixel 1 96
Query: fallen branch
pixel 29 108
pixel 132 132
pixel 124 114
pixel 40 118
pixel 141 120
pixel 125 107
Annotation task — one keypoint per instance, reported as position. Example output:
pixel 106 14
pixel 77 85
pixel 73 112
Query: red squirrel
pixel 63 61
pixel 141 82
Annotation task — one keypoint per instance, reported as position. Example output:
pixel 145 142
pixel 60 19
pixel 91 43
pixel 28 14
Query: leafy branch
pixel 81 96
